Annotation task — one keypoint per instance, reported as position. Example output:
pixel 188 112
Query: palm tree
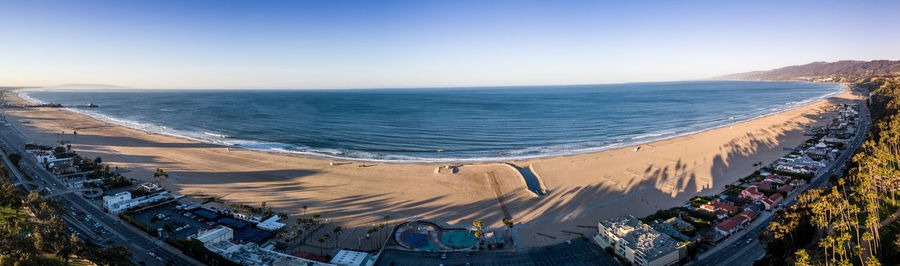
pixel 387 232
pixel 801 258
pixel 321 245
pixel 160 173
pixel 337 236
pixel 304 210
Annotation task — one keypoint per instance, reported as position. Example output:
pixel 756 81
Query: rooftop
pixel 641 237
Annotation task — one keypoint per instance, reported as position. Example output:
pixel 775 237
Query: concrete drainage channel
pixel 532 179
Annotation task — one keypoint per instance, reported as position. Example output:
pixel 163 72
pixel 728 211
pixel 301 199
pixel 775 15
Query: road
pixel 735 251
pixel 138 242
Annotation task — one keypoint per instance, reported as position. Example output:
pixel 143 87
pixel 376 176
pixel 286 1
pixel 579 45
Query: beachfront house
pixel 764 185
pixel 797 183
pixel 794 168
pixel 728 226
pixel 748 215
pixel 721 214
pixel 752 193
pixel 638 243
pixel 734 224
pixel 777 179
pixel 787 189
pixel 675 227
pixel 716 205
pixel 772 201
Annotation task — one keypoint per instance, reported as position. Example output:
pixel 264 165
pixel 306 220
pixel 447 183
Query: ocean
pixel 441 124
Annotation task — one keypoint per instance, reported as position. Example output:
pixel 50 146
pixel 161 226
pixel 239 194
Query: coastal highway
pixel 138 242
pixel 735 251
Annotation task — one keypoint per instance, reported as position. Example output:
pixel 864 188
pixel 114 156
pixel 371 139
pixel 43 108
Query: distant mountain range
pixel 85 86
pixel 822 71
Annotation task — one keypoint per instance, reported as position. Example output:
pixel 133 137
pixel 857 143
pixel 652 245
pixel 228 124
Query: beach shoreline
pixel 635 141
pixel 581 188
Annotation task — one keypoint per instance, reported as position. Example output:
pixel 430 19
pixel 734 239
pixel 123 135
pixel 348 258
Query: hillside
pixel 822 71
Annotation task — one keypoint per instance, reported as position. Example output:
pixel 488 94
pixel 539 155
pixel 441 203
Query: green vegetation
pixel 841 224
pixel 100 171
pixel 31 227
pixel 7 213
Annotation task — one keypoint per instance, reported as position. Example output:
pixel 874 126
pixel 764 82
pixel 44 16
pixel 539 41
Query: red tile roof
pixel 786 188
pixel 749 214
pixel 725 206
pixel 728 224
pixel 764 185
pixel 776 197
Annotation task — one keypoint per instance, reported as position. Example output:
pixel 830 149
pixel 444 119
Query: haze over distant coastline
pixel 821 71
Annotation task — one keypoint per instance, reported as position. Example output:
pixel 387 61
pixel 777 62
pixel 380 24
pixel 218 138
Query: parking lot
pixel 176 223
pixel 578 253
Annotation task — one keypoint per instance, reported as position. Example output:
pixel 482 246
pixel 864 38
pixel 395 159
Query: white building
pixel 353 258
pixel 252 255
pixel 270 224
pixel 121 202
pixel 638 243
pixel 247 217
pixel 110 201
pixel 215 235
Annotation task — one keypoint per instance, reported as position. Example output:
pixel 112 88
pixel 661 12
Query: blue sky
pixel 366 44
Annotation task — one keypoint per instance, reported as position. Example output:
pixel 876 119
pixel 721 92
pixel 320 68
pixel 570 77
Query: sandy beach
pixel 581 189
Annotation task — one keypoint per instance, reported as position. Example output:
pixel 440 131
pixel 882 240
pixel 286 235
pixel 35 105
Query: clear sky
pixel 365 44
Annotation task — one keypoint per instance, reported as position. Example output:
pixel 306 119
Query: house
pixel 673 227
pixel 715 205
pixel 748 215
pixel 795 169
pixel 787 189
pixel 111 201
pixel 798 183
pixel 772 201
pixel 708 207
pixel 764 185
pixel 817 153
pixel 729 226
pixel 755 207
pixel 736 201
pixel 63 168
pixel 778 179
pixel 725 206
pixel 638 243
pixel 721 214
pixel 752 193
